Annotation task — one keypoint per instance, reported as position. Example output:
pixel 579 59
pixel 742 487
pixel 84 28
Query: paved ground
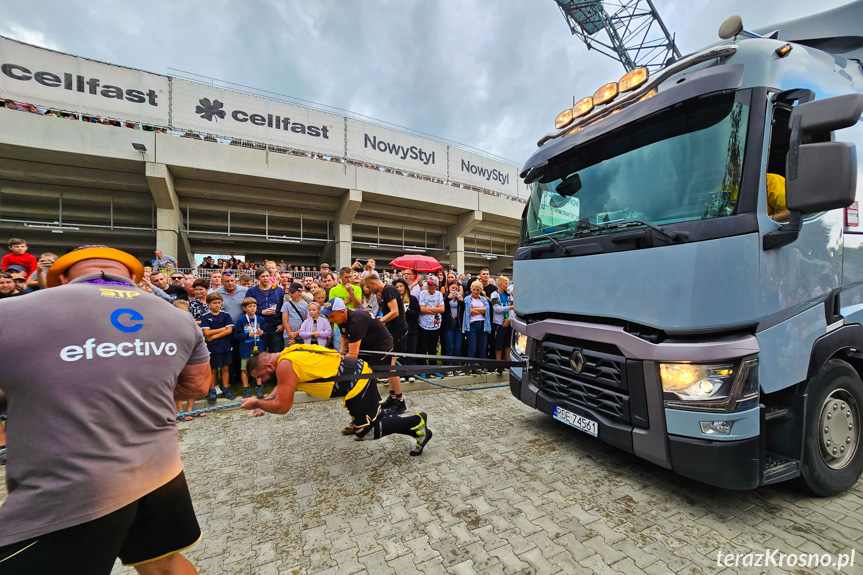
pixel 500 489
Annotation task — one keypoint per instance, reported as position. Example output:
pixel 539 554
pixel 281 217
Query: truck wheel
pixel 832 454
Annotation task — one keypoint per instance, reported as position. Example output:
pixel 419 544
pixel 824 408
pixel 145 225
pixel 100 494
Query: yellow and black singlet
pixel 313 364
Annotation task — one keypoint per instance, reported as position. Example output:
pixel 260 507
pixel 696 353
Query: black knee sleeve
pixel 401 423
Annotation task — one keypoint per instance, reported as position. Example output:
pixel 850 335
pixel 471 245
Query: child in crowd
pixel 315 326
pixel 19 256
pixel 248 331
pixel 320 296
pixel 184 415
pixel 245 280
pixel 217 326
pixel 37 280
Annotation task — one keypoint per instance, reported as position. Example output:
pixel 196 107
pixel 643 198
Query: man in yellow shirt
pixel 310 368
pixel 776 207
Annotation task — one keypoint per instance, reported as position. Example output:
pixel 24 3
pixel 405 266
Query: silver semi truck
pixel 690 272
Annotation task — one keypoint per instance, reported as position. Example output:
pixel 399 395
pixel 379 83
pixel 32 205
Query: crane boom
pixel 636 35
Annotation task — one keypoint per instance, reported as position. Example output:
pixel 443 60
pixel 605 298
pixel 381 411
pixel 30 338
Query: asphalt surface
pixel 501 488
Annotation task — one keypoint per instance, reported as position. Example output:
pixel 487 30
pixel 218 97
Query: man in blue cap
pixel 361 331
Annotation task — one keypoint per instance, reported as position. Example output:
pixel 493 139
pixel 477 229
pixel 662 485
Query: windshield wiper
pixel 562 247
pixel 673 236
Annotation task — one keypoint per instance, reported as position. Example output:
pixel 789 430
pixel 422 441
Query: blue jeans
pixel 452 341
pixel 477 340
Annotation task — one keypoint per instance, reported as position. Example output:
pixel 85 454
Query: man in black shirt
pixel 172 292
pixel 393 309
pixel 361 331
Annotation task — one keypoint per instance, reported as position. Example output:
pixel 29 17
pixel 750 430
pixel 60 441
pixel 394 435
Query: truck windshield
pixel 682 164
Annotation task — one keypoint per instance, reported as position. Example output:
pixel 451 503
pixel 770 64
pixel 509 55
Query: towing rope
pixel 470 388
pixel 385 371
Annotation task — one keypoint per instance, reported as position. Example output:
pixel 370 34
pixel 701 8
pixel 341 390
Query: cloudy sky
pixel 488 74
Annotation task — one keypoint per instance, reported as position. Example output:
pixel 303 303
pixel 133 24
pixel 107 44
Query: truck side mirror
pixel 827 115
pixel 826 178
pixel 820 176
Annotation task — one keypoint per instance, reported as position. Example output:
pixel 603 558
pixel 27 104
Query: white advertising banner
pixel 213 110
pixel 58 81
pixel 482 172
pixel 385 147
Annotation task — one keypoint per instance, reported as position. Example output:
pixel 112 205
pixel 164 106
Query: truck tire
pixel 832 452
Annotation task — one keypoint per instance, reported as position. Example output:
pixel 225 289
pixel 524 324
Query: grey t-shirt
pixel 295 320
pixel 89 385
pixel 233 304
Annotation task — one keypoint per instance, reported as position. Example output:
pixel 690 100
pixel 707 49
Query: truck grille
pixel 600 385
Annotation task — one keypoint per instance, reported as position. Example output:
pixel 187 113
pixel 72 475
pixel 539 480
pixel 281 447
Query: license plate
pixel 584 424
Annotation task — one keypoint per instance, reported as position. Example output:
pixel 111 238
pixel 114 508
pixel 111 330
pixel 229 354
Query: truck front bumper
pixel 734 464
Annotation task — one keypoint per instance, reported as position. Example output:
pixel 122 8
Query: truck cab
pixel 690 271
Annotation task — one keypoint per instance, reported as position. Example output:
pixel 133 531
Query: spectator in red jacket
pixel 19 256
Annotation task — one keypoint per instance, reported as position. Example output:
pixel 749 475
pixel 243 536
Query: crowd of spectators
pixel 244 310
pixel 43 111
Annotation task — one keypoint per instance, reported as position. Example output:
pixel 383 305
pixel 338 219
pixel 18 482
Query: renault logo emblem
pixel 576 360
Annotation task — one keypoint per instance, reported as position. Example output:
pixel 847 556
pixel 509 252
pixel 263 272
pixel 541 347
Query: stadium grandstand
pixel 96 153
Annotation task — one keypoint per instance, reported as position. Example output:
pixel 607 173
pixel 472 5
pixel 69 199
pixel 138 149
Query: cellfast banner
pixel 378 145
pixel 73 84
pixel 53 80
pixel 213 110
pixel 482 172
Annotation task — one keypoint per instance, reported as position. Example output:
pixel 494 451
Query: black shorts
pixel 400 342
pixel 160 523
pixel 503 338
pixel 220 359
pixel 365 406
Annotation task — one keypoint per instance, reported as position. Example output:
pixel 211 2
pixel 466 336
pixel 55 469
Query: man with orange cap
pixel 99 476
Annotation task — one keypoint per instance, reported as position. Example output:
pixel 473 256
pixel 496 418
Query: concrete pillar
pixel 343 227
pixel 168 231
pixel 169 219
pixel 456 234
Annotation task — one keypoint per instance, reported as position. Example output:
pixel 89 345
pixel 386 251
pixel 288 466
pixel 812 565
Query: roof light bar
pixel 636 82
pixel 633 80
pixel 605 94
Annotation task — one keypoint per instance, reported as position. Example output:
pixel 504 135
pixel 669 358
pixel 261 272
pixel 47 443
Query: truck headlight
pixel 714 387
pixel 519 343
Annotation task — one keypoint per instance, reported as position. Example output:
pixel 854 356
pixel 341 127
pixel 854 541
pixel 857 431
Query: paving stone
pixel 532 496
pixel 540 564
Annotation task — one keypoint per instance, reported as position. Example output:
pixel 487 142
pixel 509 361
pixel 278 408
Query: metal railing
pixel 270 148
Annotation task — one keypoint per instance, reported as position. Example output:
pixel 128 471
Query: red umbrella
pixel 416 262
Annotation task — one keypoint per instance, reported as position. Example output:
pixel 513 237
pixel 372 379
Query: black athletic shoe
pixel 423 434
pixel 398 406
pixel 388 403
pixel 259 392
